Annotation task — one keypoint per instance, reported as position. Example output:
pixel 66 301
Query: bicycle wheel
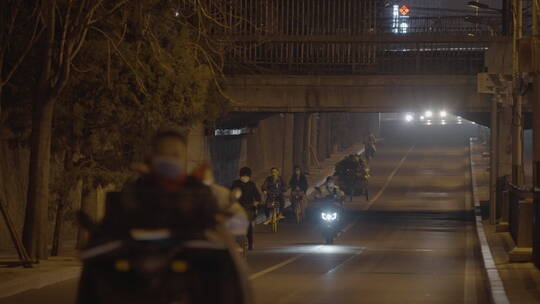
pixel 274 220
pixel 367 194
pixel 298 211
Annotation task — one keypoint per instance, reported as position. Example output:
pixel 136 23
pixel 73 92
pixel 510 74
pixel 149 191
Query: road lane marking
pixel 389 179
pixel 350 225
pixel 275 267
pixel 278 266
pixel 357 253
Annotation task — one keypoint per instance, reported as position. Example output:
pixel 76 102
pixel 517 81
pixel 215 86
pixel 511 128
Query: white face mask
pixel 244 179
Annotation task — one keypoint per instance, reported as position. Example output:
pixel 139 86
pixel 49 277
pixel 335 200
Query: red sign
pixel 404 10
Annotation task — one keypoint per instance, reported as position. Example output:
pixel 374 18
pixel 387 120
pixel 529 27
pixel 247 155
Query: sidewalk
pixel 521 280
pixel 14 280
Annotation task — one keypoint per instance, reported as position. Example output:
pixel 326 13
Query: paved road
pixel 414 242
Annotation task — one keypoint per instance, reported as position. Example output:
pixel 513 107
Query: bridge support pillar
pixel 288 145
pixel 536 169
pixel 323 136
pixel 375 123
pixel 536 133
pixel 493 162
pixel 299 139
pixel 504 162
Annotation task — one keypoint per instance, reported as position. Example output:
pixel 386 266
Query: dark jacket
pixel 274 188
pixel 190 209
pixel 299 181
pixel 250 193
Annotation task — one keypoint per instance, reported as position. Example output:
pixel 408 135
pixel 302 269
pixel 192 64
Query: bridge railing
pixel 356 58
pixel 449 25
pixel 344 36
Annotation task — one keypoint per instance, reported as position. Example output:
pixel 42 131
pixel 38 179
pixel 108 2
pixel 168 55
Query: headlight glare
pixel 327 216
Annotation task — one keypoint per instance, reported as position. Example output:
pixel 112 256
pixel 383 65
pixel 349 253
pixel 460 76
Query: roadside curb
pixel 497 293
pixel 38 280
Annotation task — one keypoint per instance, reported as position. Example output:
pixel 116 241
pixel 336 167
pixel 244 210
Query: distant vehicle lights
pixel 409 117
pixel 432 117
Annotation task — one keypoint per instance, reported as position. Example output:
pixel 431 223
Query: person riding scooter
pixel 331 216
pixel 330 191
pixel 162 239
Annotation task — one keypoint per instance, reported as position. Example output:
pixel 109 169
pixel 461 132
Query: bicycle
pixel 273 205
pixel 297 201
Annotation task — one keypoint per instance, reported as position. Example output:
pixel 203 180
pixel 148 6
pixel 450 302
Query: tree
pixel 65 25
pixel 144 66
pixel 16 17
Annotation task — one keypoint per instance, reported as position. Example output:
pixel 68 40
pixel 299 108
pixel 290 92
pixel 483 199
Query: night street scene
pixel 269 151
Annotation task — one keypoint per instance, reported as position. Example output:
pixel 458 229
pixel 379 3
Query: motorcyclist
pixel 362 168
pixel 250 198
pixel 232 213
pixel 346 173
pixel 369 146
pixel 371 138
pixel 329 191
pixel 274 187
pixel 164 198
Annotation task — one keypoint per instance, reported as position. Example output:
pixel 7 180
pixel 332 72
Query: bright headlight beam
pixel 428 114
pixel 443 114
pixel 329 216
pixel 408 117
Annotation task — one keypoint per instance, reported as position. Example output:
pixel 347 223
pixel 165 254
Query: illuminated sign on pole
pixel 404 10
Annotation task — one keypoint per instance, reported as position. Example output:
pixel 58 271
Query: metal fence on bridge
pixel 321 36
pixel 356 58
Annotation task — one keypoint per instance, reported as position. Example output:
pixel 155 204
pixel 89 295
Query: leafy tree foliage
pixel 111 73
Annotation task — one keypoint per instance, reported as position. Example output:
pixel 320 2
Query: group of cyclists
pixel 350 178
pixel 274 189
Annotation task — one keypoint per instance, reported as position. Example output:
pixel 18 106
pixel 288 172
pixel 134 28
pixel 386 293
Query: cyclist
pixel 274 187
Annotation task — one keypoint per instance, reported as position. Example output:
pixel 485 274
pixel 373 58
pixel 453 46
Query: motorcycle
pixel 331 217
pixel 157 269
pixel 157 265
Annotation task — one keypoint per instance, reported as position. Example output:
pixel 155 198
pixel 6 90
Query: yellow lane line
pixel 389 179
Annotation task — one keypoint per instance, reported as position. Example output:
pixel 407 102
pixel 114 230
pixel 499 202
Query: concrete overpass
pixel 376 93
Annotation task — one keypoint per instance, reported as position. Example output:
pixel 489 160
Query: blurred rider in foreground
pixel 152 223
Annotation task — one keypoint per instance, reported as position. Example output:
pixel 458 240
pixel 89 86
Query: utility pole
pixel 536 130
pixel 517 125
